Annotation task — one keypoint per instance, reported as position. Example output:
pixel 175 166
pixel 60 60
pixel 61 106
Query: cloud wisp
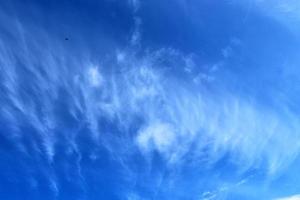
pixel 295 197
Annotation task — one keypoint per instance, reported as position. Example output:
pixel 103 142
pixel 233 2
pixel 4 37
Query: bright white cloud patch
pixel 160 136
pixel 94 77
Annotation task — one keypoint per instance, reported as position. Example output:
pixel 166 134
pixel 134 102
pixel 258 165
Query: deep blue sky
pixel 149 99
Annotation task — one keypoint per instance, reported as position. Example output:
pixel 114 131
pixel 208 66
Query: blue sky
pixel 142 100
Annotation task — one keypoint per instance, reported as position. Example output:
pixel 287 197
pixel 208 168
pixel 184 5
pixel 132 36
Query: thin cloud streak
pixel 295 197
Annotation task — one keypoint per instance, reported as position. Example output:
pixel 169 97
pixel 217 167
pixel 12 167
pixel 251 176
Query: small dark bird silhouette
pixel 66 38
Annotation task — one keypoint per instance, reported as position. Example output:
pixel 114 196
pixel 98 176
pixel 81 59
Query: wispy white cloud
pixel 157 135
pixel 136 35
pixel 250 132
pixel 94 77
pixel 133 196
pixel 295 197
pixel 135 4
pixel 54 187
pixel 208 196
pixel 285 12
